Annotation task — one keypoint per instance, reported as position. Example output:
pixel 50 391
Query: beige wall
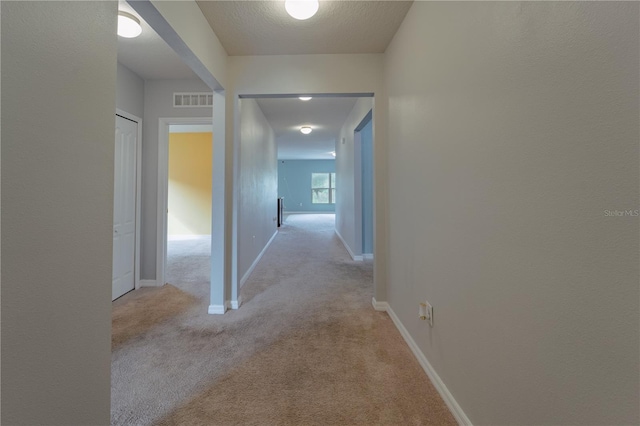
pixel 190 156
pixel 513 127
pixel 58 141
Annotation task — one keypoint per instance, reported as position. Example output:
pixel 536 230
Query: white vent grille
pixel 192 100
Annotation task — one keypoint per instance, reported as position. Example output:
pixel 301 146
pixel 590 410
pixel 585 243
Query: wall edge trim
pixel 379 306
pixel 453 405
pixel 344 243
pixel 247 274
pixel 235 304
pixel 217 309
pixel 148 283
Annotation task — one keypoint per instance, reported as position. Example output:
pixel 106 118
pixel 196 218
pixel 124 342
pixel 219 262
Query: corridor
pixel 305 347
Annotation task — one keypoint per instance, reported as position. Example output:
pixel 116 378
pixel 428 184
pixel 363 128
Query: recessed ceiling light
pixel 305 130
pixel 301 9
pixel 128 25
pixel 304 98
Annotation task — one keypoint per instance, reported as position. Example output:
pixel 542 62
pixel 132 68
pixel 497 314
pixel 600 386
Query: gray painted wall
pixel 258 186
pixel 158 103
pixel 129 91
pixel 535 289
pixel 512 128
pixel 58 133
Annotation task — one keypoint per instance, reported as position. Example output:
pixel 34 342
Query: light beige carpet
pixel 305 348
pixel 138 312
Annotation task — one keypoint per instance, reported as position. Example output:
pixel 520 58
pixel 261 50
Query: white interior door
pixel 124 207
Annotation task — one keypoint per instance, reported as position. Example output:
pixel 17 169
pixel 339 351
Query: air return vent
pixel 192 100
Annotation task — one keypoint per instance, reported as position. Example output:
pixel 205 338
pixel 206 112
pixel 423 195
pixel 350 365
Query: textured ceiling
pixel 325 115
pixel 265 28
pixel 148 55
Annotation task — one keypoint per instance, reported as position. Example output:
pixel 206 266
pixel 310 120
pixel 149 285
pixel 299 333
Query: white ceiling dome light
pixel 304 98
pixel 301 9
pixel 305 130
pixel 128 25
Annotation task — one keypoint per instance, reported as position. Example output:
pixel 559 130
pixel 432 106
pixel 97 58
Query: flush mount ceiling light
pixel 301 9
pixel 304 98
pixel 128 25
pixel 305 130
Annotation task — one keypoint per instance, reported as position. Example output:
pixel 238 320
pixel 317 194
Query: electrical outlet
pixel 425 312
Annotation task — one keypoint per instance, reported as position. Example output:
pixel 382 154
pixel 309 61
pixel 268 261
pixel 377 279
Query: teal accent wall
pixel 294 184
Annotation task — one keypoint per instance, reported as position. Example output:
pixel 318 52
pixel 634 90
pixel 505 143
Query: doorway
pixel 126 205
pixel 364 137
pixel 166 216
pixel 189 201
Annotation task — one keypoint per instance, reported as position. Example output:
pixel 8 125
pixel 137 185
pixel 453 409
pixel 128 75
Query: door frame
pixel 358 192
pixel 163 188
pixel 136 264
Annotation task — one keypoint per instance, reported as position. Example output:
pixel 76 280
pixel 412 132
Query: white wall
pixel 129 91
pixel 255 75
pixel 158 103
pixel 258 186
pixel 512 128
pixel 58 133
pixel 347 208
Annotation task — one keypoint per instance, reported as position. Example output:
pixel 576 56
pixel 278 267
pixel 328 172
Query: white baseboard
pixel 379 306
pixel 356 258
pixel 235 304
pixel 218 309
pixel 453 405
pixel 368 256
pixel 246 275
pixel 148 283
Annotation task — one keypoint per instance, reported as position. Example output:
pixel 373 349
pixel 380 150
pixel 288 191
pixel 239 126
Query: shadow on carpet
pixel 355 370
pixel 147 308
